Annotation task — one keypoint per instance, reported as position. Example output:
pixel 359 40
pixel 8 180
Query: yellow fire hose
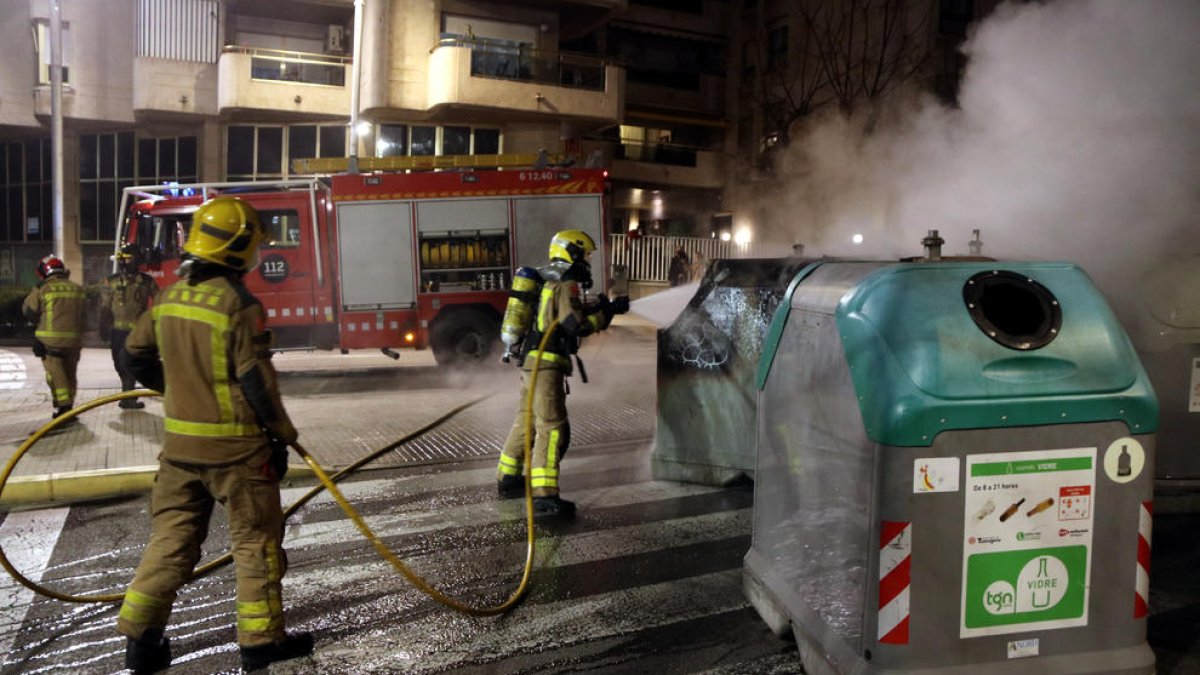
pixel 327 482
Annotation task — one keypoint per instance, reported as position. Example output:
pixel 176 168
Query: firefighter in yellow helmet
pixel 126 295
pixel 565 282
pixel 58 306
pixel 205 347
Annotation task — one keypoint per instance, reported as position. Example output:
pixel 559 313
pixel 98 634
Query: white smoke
pixel 1077 138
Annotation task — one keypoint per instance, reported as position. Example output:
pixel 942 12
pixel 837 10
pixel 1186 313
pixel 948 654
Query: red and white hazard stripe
pixel 1141 584
pixel 895 559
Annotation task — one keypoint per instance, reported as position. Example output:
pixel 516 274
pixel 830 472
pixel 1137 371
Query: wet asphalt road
pixel 647 579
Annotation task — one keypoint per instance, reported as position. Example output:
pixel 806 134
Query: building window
pixel 749 62
pixel 25 191
pixel 665 61
pixel 266 151
pixel 658 146
pixel 456 140
pixel 424 141
pixel 392 140
pixel 167 160
pixel 777 46
pixel 487 142
pixel 41 36
pixel 398 140
pixel 106 168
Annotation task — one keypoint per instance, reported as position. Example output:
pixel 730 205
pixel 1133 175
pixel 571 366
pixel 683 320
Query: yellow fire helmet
pixel 571 245
pixel 225 231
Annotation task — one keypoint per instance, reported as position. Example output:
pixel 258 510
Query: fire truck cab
pixel 385 261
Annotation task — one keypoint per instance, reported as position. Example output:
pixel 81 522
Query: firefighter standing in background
pixel 561 298
pixel 126 295
pixel 59 308
pixel 204 346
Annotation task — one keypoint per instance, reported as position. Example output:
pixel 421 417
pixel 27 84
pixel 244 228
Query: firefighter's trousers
pixel 180 506
pixel 60 365
pixel 552 433
pixel 117 344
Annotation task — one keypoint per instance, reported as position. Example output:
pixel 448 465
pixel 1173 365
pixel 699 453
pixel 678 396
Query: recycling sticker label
pixel 1027 541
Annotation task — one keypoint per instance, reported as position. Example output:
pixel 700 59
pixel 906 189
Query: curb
pixel 84 486
pixel 76 486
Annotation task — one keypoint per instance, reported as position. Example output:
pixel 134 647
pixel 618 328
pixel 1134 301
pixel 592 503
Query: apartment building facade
pixel 660 92
pixel 159 91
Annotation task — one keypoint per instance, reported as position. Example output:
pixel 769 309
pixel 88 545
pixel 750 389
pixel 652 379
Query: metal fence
pixel 649 257
pixel 515 61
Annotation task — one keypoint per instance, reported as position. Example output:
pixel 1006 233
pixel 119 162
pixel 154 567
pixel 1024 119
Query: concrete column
pixel 376 57
pixel 72 249
pixel 212 151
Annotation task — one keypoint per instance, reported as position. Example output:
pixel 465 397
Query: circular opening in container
pixel 1013 309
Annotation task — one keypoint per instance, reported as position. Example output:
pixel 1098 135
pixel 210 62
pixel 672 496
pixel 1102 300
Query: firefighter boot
pixel 553 506
pixel 63 410
pixel 293 646
pixel 510 486
pixel 131 404
pixel 149 653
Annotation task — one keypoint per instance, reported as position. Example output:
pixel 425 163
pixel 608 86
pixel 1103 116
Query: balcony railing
pixel 657 153
pixel 284 66
pixel 506 60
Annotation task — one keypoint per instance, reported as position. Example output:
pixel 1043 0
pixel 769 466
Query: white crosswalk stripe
pixel 29 538
pixel 12 370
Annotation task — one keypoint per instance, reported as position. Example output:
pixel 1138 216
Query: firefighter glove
pixel 602 306
pixel 39 349
pixel 283 431
pixel 620 305
pixel 279 458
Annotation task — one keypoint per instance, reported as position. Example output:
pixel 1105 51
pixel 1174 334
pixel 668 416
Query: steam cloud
pixel 1077 138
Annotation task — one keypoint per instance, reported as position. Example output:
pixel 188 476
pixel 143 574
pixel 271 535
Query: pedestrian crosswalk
pixel 648 573
pixel 12 370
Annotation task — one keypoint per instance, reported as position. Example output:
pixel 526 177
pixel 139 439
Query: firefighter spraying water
pixel 554 293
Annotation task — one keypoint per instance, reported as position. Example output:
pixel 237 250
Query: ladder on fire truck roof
pixel 330 165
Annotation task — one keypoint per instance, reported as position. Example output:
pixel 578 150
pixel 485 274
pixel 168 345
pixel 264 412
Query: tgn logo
pixel 1000 598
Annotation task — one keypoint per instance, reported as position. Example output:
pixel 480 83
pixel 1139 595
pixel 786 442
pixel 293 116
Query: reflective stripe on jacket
pixel 561 301
pixel 205 333
pixel 59 306
pixel 126 296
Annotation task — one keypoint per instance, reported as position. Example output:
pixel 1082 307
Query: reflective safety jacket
pixel 126 296
pixel 59 306
pixel 562 299
pixel 205 347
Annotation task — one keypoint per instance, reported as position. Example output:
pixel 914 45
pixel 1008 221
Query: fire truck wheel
pixel 465 337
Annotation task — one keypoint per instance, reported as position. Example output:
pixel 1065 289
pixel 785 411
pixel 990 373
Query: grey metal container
pixel 707 361
pixel 1165 328
pixel 930 500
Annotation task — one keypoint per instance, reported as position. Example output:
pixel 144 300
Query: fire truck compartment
pixel 375 252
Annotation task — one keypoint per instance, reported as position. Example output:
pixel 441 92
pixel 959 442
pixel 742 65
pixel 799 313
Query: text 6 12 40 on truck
pixel 384 261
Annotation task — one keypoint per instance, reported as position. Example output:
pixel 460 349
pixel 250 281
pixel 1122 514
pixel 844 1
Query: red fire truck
pixel 382 260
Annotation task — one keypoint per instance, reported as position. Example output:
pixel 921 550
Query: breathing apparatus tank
pixel 518 316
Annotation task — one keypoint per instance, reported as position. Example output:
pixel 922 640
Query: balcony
pixel 698 93
pixel 269 79
pixel 172 86
pixel 497 74
pixel 668 164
